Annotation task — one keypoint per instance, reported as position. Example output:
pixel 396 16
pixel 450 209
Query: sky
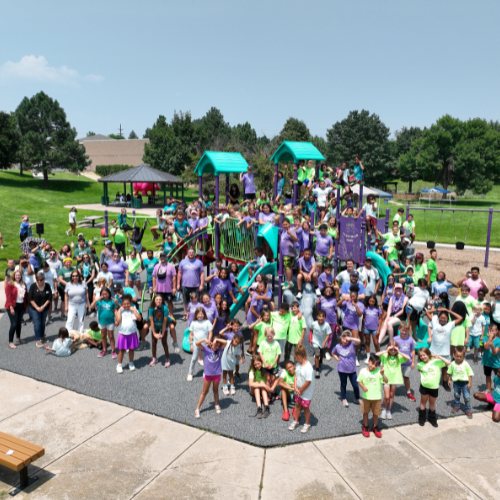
pixel 126 62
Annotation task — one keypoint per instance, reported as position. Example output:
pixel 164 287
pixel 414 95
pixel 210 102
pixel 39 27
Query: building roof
pixel 213 162
pixel 97 137
pixel 141 173
pixel 296 151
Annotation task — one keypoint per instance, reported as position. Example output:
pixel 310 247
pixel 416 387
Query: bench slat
pixel 13 463
pixel 11 439
pixel 19 451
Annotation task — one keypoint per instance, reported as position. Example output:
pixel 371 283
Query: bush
pixel 104 170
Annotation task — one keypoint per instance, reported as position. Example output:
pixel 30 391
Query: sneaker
pixel 456 410
pixel 176 349
pixel 345 403
pixel 327 356
pixel 258 414
pixel 167 363
pixel 298 297
pixel 365 431
pixel 67 234
pixel 293 426
pixel 196 413
pixel 92 314
pixel 102 354
pixel 155 238
pixel 114 355
pixel 225 390
pixel 367 359
pixel 358 401
pixel 217 409
pixel 318 292
pixel 131 367
pixel 232 390
pixel 469 414
pixel 410 396
pixel 266 412
pixel 357 362
pixel 249 353
pixel 383 415
pixel 480 354
pixel 190 377
pixel 285 416
pixel 389 415
pixel 475 359
pixel 119 368
pixel 376 431
pixel 305 428
pixel 317 374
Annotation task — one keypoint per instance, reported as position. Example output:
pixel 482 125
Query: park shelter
pixel 290 151
pixel 366 191
pixel 142 173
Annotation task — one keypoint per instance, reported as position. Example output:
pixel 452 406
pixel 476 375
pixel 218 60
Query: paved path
pixel 91 175
pixel 96 449
pixel 101 208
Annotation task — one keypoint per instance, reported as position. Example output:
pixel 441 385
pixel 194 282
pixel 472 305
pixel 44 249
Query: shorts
pixel 425 391
pixel 253 266
pixel 321 260
pixel 150 283
pixel 406 371
pixel 107 327
pixel 288 262
pixel 491 401
pixel 319 351
pixel 211 378
pixel 140 324
pixel 369 332
pixel 134 277
pixel 385 248
pixel 373 405
pixel 270 371
pixel 306 181
pixel 249 196
pixel 414 314
pixel 138 246
pixel 373 221
pixel 488 370
pixel 385 306
pixel 393 263
pixel 474 341
pixel 167 296
pixel 302 402
pixel 322 209
pixel 186 291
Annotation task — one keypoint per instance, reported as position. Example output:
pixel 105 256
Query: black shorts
pixel 385 306
pixel 425 391
pixel 249 196
pixel 321 209
pixel 488 370
pixel 270 371
pixel 186 291
pixel 167 296
pixel 140 325
pixel 414 315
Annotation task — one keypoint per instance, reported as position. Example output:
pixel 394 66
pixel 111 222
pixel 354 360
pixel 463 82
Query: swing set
pixel 459 245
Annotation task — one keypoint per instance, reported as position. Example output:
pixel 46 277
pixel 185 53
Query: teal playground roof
pixel 213 162
pixel 296 151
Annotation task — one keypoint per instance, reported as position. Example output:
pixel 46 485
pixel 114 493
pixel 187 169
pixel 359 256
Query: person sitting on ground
pixel 63 346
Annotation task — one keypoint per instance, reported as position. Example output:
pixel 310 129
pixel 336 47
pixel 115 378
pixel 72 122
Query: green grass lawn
pixel 26 195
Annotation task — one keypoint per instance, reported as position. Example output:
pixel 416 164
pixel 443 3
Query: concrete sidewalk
pixel 99 450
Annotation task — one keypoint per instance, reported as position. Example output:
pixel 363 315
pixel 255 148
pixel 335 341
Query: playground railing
pixel 236 242
pixel 196 238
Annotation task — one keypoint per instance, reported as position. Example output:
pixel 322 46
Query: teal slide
pixel 270 234
pixel 244 281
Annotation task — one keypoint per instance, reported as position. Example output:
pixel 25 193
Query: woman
pixel 135 266
pixel 16 304
pixel 119 269
pixel 64 277
pixel 76 299
pixel 40 297
pixel 65 253
pixel 88 271
pixel 395 312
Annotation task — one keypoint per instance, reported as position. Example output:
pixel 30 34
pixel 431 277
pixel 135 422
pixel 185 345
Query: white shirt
pixel 371 277
pixel 200 329
pixel 477 325
pixel 343 277
pixel 128 324
pixel 72 217
pixel 54 265
pixel 441 336
pixel 107 276
pixel 49 278
pixel 419 299
pixel 369 209
pixel 305 374
pixel 322 195
pixel 28 279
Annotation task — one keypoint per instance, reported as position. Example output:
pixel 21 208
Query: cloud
pixel 37 69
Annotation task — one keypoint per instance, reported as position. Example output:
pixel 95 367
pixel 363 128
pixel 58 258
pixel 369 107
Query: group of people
pixel 354 309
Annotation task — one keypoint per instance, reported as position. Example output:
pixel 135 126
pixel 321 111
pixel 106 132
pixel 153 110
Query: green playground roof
pixel 296 151
pixel 214 162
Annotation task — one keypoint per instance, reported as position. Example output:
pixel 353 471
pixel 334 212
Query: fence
pixel 236 241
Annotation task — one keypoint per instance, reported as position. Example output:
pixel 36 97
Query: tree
pixel 133 135
pixel 213 131
pixel 49 140
pixel 365 135
pixel 245 135
pixel 320 144
pixel 404 139
pixel 10 140
pixel 146 133
pixel 116 136
pixel 295 130
pixel 90 134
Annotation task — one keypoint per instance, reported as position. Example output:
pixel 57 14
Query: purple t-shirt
pixel 372 315
pixel 202 222
pixel 193 223
pixel 191 308
pixel 306 239
pixel 117 269
pixel 287 244
pixel 347 355
pixel 325 279
pixel 211 311
pixel 406 346
pixel 323 244
pixel 220 286
pixel 266 217
pixel 220 323
pixel 330 308
pixel 258 305
pixel 191 272
pixel 212 361
pixel 306 265
pixel 248 185
pixel 351 318
pixel 164 285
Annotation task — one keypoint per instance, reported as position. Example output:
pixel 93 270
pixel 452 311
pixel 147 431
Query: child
pixel 222 321
pixel 258 330
pixel 461 374
pixel 126 318
pixel 491 360
pixel 429 367
pixel 399 217
pixel 230 356
pixel 63 346
pixel 324 249
pixel 372 315
pixel 487 319
pixel 260 260
pixel 296 330
pixel 492 399
pixel 391 360
pixel 212 368
pixel 345 354
pixel 95 339
pixel 285 382
pixel 328 304
pixel 476 330
pixel 307 272
pixel 406 346
pixel 466 298
pixel 326 277
pixel 303 388
pixel 409 226
pixel 358 170
pixel 201 328
pixel 106 308
pixel 191 307
pixel 269 352
pixel 259 388
pixel 280 322
pixel 370 380
pixel 228 334
pixel 158 319
pixel 321 334
pixel 352 310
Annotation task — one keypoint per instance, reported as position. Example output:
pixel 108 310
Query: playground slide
pixel 270 234
pixel 244 281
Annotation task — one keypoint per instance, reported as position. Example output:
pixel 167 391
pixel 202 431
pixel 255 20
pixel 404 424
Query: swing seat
pixel 460 245
pixel 431 244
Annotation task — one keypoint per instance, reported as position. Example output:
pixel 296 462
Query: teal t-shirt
pixel 150 266
pixel 182 228
pixel 489 359
pixel 159 322
pixel 105 312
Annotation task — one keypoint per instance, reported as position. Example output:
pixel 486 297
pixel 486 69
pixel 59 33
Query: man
pixel 346 287
pixel 475 283
pixel 370 277
pixel 107 252
pixel 343 277
pixel 191 276
pixel 81 251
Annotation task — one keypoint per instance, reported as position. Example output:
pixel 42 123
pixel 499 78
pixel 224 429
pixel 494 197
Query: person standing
pixel 76 300
pixel 72 222
pixel 474 282
pixel 248 184
pixel 119 269
pixel 25 229
pixel 106 253
pixel 191 276
pixel 165 281
pixel 16 304
pixel 40 298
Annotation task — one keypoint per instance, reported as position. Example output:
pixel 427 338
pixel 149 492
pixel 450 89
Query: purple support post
pixel 295 185
pixel 336 240
pixel 200 184
pixel 276 181
pixel 407 211
pixel 316 175
pixel 363 234
pixel 106 223
pixel 280 276
pixel 487 254
pixel 387 215
pixel 217 235
pixel 360 197
pixel 227 189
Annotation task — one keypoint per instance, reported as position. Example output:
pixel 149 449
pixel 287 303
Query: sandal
pixel 12 346
pixel 153 362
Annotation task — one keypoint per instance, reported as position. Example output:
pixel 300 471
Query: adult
pixel 106 253
pixel 119 269
pixel 370 277
pixel 76 300
pixel 474 282
pixel 165 281
pixel 64 277
pixel 89 272
pixel 40 298
pixel 9 272
pixel 421 270
pixel 26 270
pixel 16 304
pixel 25 229
pixel 395 312
pixel 191 276
pixel 248 184
pixel 81 250
pixel 51 280
pixel 345 290
pixel 343 277
pixel 119 238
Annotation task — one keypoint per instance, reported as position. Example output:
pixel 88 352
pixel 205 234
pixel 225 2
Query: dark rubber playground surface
pixel 165 391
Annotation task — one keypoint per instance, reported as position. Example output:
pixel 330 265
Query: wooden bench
pixel 16 454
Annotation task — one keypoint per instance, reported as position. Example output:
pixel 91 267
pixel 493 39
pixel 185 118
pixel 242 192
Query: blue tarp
pixel 436 189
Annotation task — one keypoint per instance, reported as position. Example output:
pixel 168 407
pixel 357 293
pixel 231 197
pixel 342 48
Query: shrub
pixel 104 170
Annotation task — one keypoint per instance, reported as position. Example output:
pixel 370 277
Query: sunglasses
pixel 41 279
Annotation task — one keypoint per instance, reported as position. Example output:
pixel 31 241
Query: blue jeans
pixel 459 387
pixel 343 384
pixel 39 319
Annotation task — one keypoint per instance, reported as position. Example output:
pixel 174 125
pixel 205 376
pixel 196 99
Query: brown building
pixel 104 150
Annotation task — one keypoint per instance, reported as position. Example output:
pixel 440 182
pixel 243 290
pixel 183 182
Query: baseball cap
pixel 163 254
pixel 80 234
pixel 108 242
pixel 368 258
pixel 398 285
pixel 419 256
pixel 355 273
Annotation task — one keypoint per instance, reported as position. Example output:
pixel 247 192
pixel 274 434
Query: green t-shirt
pixel 287 378
pixel 270 351
pixel 261 202
pixel 256 376
pixel 119 236
pixel 398 219
pixel 280 324
pixel 79 252
pixel 390 241
pixel 409 225
pixel 66 274
pixel 458 333
pixel 460 372
pixel 96 336
pixel 134 265
pixel 431 266
pixel 392 368
pixel 420 272
pixel 373 382
pixel 332 232
pixel 469 302
pixel 310 173
pixel 431 372
pixel 295 328
pixel 261 331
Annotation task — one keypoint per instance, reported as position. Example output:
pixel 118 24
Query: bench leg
pixel 24 482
